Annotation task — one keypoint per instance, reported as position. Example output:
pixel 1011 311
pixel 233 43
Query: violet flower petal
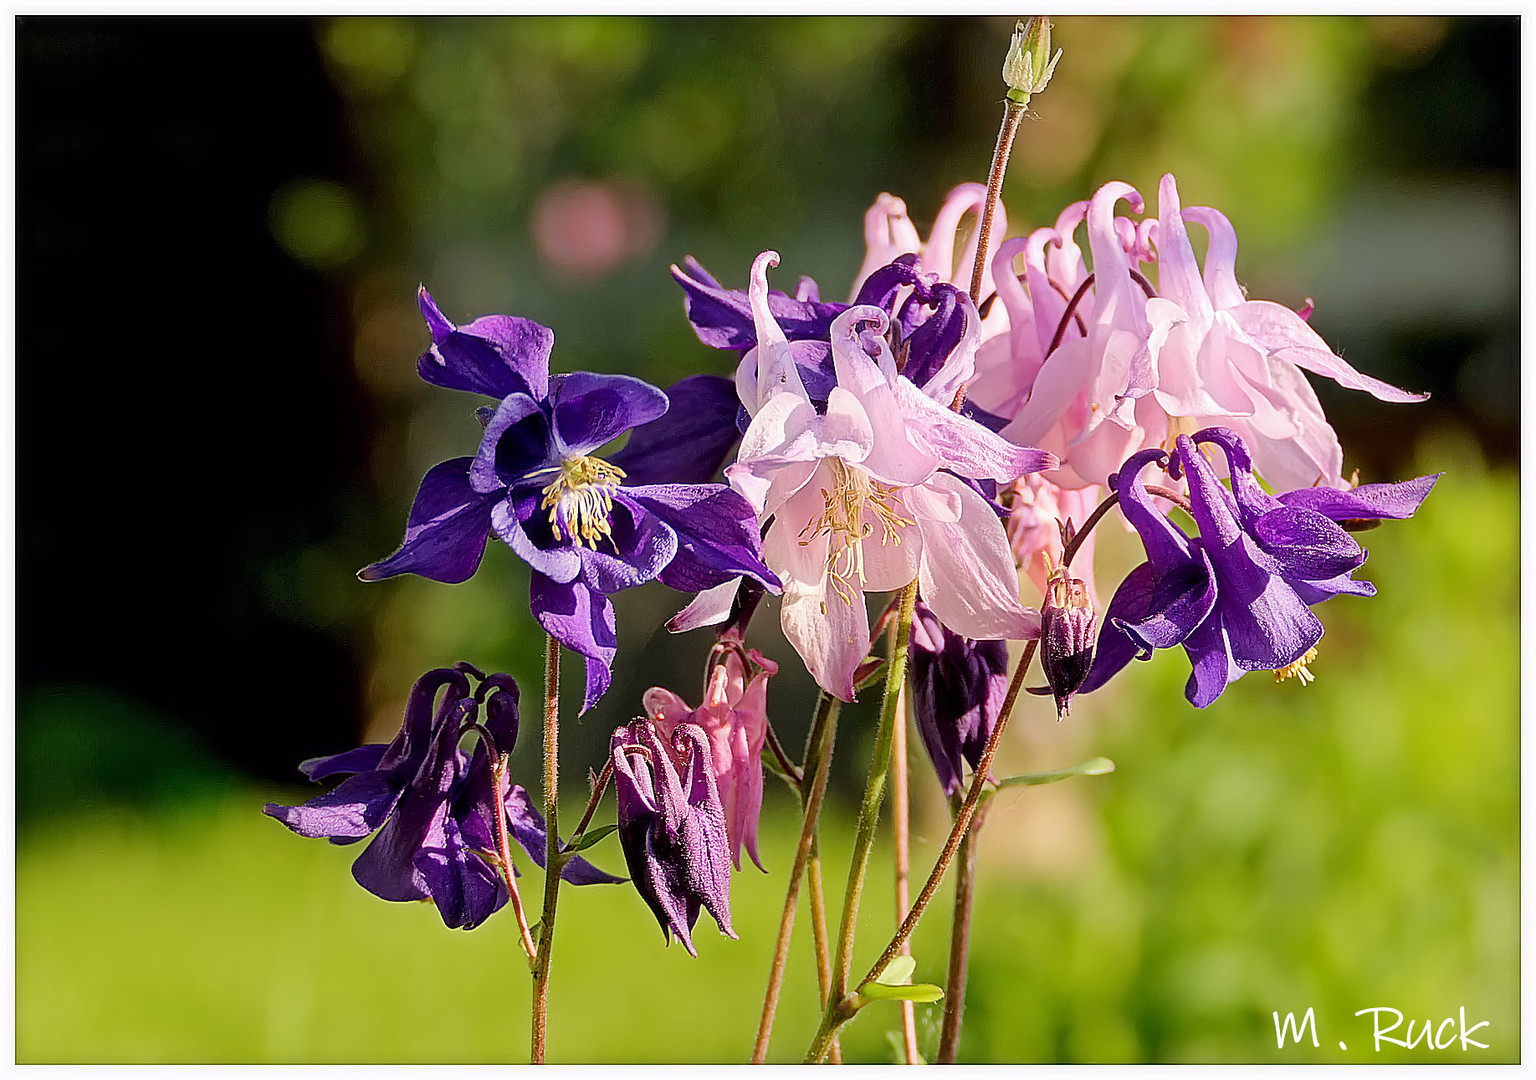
pixel 446 531
pixel 581 619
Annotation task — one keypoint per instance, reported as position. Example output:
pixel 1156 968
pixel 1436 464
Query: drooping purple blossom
pixel 958 685
pixel 1237 597
pixel 672 826
pixel 536 483
pixel 432 806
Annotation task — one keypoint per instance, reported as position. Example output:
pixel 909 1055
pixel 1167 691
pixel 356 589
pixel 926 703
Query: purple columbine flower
pixel 672 827
pixel 1238 597
pixel 958 686
pixel 536 483
pixel 432 805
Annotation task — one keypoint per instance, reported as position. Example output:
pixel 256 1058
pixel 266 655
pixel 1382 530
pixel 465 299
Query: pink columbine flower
pixel 734 717
pixel 873 492
pixel 1132 366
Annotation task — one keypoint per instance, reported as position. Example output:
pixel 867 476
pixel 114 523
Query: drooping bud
pixel 958 686
pixel 672 827
pixel 1029 64
pixel 1068 629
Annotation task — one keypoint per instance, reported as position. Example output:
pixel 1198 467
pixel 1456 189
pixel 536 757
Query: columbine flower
pixel 958 686
pixel 1133 367
pixel 672 827
pixel 432 805
pixel 734 717
pixel 1067 627
pixel 536 482
pixel 1236 598
pixel 857 496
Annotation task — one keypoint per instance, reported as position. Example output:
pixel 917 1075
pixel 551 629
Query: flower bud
pixel 1068 629
pixel 1028 66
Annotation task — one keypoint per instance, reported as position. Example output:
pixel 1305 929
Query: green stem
pixel 869 809
pixel 553 860
pixel 841 1010
pixel 960 941
pixel 817 759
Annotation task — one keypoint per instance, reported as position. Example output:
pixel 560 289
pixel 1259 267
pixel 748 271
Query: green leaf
pixel 898 971
pixel 594 836
pixel 1092 767
pixel 924 992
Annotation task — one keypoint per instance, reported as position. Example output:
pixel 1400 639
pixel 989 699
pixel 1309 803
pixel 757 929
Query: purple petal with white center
pixel 581 619
pixel 642 546
pixel 516 442
pixel 446 531
pixel 590 410
pixel 557 561
pixel 495 355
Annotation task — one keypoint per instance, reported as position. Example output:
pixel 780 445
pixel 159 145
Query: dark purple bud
pixel 1068 625
pixel 672 827
pixel 958 686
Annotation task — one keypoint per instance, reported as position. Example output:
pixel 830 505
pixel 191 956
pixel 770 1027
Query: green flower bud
pixel 1028 66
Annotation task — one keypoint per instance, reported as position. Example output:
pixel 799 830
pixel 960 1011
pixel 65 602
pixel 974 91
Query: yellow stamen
pixel 854 493
pixel 580 500
pixel 1299 669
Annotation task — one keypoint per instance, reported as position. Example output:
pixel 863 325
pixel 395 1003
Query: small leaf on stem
pixel 1092 767
pixel 594 836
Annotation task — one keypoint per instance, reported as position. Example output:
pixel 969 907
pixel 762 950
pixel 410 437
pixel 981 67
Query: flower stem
pixel 960 941
pixel 900 814
pixel 820 940
pixel 552 858
pixel 840 1011
pixel 817 759
pixel 1070 549
pixel 504 851
pixel 1012 112
pixel 599 786
pixel 839 1008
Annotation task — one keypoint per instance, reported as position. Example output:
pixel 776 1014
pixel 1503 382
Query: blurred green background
pixel 1345 845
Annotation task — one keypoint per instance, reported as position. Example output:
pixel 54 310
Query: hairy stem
pixel 960 942
pixel 874 793
pixel 504 851
pixel 599 786
pixel 962 819
pixel 900 815
pixel 820 940
pixel 552 858
pixel 817 759
pixel 1012 112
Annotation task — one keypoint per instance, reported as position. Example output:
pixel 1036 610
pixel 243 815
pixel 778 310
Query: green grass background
pixel 1349 844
